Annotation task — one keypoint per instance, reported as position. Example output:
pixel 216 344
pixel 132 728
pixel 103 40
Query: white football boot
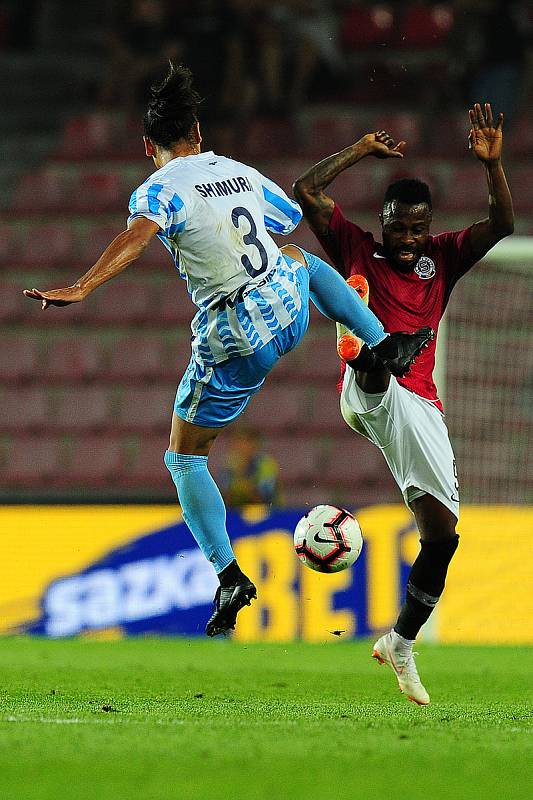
pixel 390 650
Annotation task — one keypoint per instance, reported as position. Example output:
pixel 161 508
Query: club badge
pixel 425 268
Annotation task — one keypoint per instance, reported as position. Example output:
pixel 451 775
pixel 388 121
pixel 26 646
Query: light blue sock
pixel 336 300
pixel 202 505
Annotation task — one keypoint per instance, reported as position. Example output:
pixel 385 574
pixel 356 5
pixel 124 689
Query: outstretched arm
pixel 485 140
pixel 309 187
pixel 127 246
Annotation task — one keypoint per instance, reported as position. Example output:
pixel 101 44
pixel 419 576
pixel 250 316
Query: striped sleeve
pixel 281 214
pixel 161 204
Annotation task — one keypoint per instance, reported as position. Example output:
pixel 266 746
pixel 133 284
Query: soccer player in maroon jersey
pixel 411 276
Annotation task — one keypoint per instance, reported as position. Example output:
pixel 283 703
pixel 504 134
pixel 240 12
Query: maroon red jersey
pixel 403 301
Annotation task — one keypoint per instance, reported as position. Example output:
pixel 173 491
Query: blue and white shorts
pixel 214 396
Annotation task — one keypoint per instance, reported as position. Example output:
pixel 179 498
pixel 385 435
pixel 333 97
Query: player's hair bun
pixel 172 107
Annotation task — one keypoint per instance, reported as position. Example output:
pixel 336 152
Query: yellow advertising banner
pixel 126 570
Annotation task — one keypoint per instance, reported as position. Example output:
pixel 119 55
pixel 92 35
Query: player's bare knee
pixel 188 439
pixel 294 252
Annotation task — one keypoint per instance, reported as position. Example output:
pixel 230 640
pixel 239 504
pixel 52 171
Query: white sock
pixel 397 639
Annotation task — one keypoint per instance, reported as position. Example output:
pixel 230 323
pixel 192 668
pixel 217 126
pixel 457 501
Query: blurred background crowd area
pixel 87 390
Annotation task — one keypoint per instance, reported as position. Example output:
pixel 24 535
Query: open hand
pixel 381 145
pixel 485 138
pixel 56 297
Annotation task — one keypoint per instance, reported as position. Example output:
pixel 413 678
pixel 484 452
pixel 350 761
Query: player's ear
pixel 197 133
pixel 149 148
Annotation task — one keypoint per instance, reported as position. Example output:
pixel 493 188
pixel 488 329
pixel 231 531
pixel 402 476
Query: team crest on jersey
pixel 425 268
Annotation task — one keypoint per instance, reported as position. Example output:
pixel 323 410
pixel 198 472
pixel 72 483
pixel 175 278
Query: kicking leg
pixel 205 514
pixel 336 300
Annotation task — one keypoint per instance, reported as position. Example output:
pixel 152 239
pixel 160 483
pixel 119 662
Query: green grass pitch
pixel 158 719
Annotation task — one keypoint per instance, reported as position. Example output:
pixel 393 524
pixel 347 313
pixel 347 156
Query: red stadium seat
pixel 13 305
pixel 402 127
pixel 42 191
pixel 322 411
pixel 268 138
pixel 18 358
pixel 126 302
pixel 9 243
pixel 148 469
pixel 362 462
pixel 93 241
pixel 467 189
pixel 299 459
pixel 95 461
pixel 147 408
pixel 363 28
pixel 53 247
pixel 425 26
pixel 86 136
pixel 72 359
pixel 24 409
pixel 98 191
pixel 521 181
pixel 137 358
pixel 175 306
pixel 81 409
pixel 31 462
pixel 327 134
pixel 276 408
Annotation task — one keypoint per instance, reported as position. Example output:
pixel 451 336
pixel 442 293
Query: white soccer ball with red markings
pixel 328 539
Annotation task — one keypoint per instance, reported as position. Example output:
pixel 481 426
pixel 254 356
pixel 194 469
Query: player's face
pixel 405 232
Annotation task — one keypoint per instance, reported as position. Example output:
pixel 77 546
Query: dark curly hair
pixel 172 108
pixel 411 191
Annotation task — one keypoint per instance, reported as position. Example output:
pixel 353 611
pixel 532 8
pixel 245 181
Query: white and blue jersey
pixel 214 214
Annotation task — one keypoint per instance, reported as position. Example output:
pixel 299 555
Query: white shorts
pixel 411 433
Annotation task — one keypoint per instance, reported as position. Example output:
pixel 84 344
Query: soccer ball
pixel 328 539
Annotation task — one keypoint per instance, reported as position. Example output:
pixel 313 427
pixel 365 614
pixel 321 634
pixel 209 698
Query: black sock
pixel 425 585
pixel 366 361
pixel 230 575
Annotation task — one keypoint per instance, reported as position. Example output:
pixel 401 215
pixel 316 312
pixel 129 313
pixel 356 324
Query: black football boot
pixel 228 602
pixel 398 350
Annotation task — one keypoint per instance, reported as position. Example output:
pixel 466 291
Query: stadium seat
pixel 362 463
pixel 299 459
pixel 366 27
pixel 9 239
pixel 322 412
pixel 126 302
pixel 13 305
pixel 98 191
pixel 174 305
pixel 147 469
pixel 81 409
pixel 42 191
pixel 32 462
pixel 137 357
pixel 53 247
pixel 425 26
pixel 267 139
pixel 72 359
pixel 93 241
pixel 147 408
pixel 18 358
pixel 326 134
pixel 402 126
pixel 277 408
pixel 94 461
pixel 24 409
pixel 467 189
pixel 86 136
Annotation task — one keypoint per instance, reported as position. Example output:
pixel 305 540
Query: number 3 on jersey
pixel 250 238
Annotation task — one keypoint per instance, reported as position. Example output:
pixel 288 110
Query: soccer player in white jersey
pixel 213 215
